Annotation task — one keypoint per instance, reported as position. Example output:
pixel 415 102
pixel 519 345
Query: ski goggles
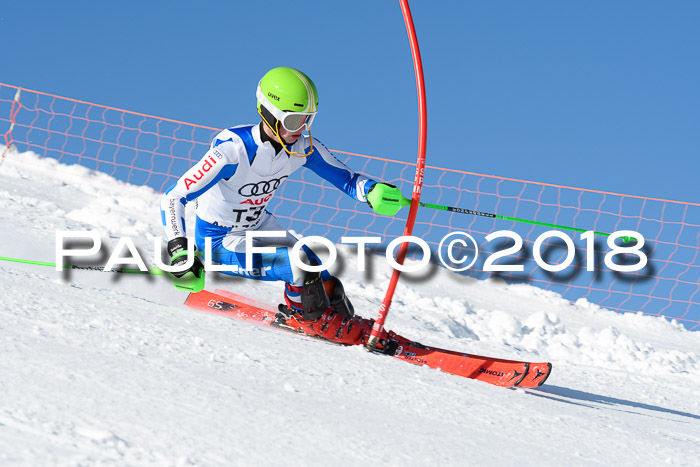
pixel 291 121
pixel 295 121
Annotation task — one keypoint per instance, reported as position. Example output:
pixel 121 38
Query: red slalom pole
pixel 417 182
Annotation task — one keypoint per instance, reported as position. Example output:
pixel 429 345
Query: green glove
pixel 386 199
pixel 192 279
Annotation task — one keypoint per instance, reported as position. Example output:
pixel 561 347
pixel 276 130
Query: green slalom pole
pixel 393 200
pixel 153 271
pixel 513 219
pixel 189 282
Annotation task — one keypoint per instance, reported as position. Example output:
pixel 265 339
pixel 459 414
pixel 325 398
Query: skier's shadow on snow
pixel 587 399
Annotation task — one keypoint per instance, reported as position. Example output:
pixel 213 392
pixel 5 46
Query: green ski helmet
pixel 288 96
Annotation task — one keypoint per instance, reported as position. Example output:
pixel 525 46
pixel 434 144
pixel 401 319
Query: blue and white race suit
pixel 232 185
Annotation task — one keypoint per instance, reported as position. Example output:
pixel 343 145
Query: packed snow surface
pixel 104 368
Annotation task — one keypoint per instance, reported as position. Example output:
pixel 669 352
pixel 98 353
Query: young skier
pixel 232 185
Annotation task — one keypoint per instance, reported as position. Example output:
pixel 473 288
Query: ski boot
pixel 322 309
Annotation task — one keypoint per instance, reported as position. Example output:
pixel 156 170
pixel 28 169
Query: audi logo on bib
pixel 264 187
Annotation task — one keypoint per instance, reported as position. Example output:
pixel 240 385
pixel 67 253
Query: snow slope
pixel 100 368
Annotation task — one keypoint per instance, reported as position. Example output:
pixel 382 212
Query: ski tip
pixel 537 375
pixel 544 378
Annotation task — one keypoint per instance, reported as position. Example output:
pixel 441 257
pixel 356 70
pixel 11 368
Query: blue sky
pixel 599 94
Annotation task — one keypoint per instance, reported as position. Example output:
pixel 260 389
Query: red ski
pixel 500 372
